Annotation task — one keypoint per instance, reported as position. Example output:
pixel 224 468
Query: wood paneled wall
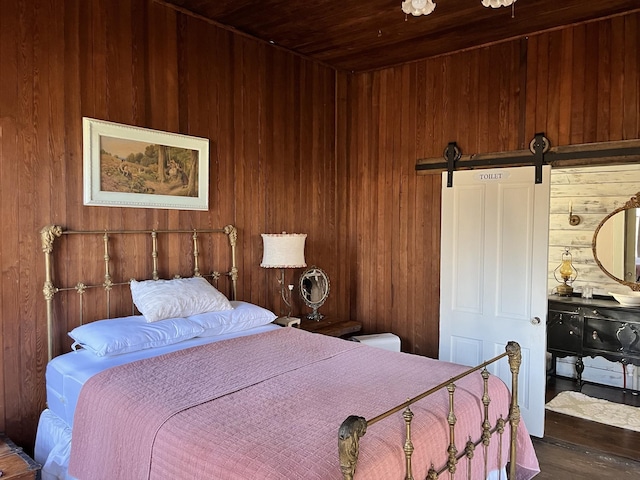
pixel 269 115
pixel 577 85
pixel 294 147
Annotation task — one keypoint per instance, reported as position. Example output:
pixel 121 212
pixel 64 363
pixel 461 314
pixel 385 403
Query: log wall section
pixel 295 146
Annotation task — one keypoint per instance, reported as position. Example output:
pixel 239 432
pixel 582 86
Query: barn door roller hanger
pixel 602 153
pixel 538 146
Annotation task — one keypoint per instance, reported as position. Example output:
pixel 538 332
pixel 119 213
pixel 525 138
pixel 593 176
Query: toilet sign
pixel 492 177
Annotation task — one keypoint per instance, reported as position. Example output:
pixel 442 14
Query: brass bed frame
pixel 49 234
pixel 354 427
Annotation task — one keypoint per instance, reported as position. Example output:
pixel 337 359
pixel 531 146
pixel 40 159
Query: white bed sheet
pixel 53 447
pixel 66 374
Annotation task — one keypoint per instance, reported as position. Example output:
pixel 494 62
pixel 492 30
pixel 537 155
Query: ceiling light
pixel 418 7
pixel 425 7
pixel 497 3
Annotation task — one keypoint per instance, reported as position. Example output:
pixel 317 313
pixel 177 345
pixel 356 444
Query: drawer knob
pixel 570 332
pixel 594 335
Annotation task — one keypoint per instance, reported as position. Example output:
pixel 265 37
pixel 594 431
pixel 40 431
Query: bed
pixel 238 397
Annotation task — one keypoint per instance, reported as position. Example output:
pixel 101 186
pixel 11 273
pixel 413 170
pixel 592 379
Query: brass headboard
pixel 105 258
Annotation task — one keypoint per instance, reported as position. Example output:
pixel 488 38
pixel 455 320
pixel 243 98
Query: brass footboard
pixel 354 427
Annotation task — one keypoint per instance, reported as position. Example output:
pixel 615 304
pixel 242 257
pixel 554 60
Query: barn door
pixel 493 288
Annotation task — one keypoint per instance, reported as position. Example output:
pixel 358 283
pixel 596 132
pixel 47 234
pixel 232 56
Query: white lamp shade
pixel 283 250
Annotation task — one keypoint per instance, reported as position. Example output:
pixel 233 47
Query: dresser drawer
pixel 612 336
pixel 564 332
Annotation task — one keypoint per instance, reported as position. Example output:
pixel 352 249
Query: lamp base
pixel 287 321
pixel 564 290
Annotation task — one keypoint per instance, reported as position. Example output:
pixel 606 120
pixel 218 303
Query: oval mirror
pixel 615 244
pixel 314 290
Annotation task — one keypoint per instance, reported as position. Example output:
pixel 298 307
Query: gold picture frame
pixel 127 166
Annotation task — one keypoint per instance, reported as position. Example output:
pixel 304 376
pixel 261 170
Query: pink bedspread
pixel 269 406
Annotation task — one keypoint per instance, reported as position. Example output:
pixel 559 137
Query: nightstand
pixel 14 463
pixel 333 327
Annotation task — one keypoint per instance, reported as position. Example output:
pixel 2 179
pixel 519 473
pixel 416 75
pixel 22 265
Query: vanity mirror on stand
pixel 314 290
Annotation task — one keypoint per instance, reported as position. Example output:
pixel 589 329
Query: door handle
pixel 536 321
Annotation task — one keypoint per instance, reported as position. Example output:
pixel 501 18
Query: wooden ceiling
pixel 357 35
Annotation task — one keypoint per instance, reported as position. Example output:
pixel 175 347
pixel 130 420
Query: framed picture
pixel 126 166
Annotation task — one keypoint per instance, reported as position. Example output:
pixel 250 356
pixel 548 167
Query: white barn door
pixel 493 270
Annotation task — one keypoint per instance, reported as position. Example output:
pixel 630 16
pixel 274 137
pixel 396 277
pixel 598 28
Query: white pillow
pixel 243 316
pixel 130 334
pixel 180 297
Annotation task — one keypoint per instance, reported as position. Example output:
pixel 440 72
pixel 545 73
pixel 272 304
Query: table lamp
pixel 568 274
pixel 284 250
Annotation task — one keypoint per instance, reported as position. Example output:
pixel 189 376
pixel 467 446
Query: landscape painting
pixel 135 167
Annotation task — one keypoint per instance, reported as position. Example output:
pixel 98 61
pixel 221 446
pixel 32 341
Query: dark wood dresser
pixel 594 327
pixel 14 463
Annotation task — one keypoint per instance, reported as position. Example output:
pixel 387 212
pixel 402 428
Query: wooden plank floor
pixel 575 449
pixel 565 461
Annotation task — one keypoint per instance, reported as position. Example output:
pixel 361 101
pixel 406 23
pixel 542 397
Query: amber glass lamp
pixel 567 273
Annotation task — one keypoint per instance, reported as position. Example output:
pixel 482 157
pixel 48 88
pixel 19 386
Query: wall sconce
pixel 284 250
pixel 573 219
pixel 567 272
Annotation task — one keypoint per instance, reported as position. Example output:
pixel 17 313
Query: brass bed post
pixel 452 451
pixel 349 435
pixel 154 254
pixel 47 235
pixel 408 444
pixel 196 252
pixel 108 282
pixel 486 424
pixel 515 358
pixel 232 233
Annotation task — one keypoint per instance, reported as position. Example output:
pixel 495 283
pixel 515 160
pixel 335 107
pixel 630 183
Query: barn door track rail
pixel 539 153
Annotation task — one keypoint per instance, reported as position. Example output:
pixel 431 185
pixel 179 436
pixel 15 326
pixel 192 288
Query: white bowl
pixel 627 299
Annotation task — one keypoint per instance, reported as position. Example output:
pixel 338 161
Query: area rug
pixel 580 405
